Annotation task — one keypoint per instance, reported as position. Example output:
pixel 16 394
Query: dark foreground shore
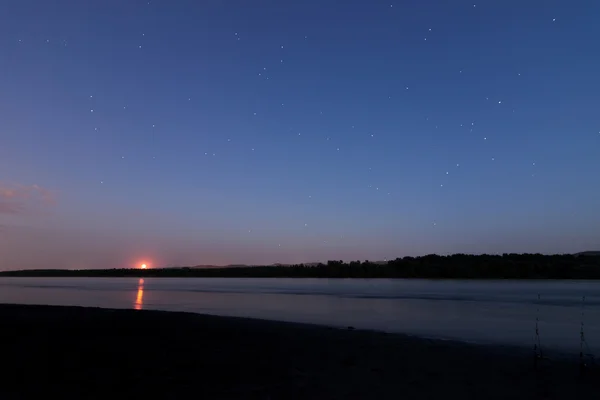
pixel 73 352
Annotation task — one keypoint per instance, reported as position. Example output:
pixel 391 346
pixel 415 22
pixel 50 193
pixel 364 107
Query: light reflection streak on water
pixel 139 299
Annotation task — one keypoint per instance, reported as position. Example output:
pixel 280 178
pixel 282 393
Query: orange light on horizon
pixel 144 266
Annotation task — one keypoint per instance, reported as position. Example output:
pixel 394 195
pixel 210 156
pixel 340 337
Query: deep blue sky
pixel 278 131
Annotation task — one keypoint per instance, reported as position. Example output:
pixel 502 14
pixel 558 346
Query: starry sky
pixel 184 132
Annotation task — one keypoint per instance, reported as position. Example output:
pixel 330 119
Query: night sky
pixel 194 132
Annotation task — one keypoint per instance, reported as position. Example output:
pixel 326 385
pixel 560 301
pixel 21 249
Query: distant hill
pixel 219 266
pixel 312 264
pixel 588 253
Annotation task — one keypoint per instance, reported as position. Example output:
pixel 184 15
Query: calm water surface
pixel 480 311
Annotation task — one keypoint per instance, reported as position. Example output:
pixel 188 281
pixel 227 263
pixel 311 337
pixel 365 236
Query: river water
pixel 502 312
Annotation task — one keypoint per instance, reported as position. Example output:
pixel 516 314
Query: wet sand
pixel 75 352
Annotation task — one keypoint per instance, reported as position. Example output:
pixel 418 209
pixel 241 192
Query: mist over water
pixel 502 312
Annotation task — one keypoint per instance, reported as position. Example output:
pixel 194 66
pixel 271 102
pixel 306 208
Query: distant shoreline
pixel 583 266
pixel 78 352
pixel 134 275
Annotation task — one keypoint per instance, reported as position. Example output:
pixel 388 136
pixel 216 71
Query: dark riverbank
pixel 74 352
pixel 456 266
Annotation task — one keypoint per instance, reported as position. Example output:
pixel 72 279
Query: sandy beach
pixel 75 352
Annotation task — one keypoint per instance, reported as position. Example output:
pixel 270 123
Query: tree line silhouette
pixel 457 266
